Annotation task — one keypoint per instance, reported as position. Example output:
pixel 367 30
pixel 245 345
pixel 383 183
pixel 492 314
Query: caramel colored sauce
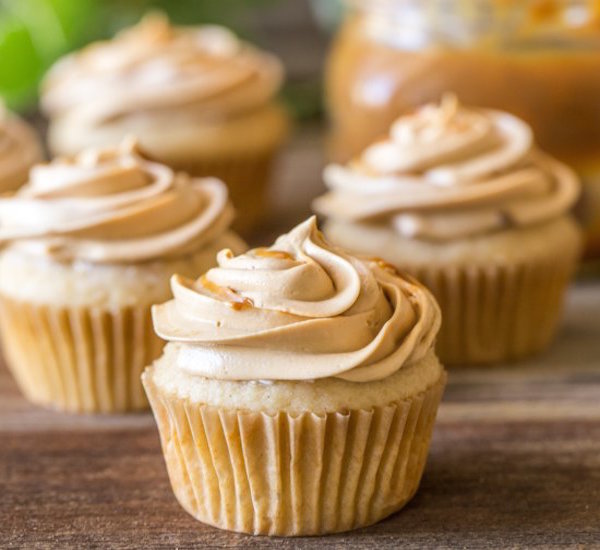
pixel 234 300
pixel 385 265
pixel 263 252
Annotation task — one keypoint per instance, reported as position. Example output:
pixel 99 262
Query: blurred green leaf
pixel 33 34
pixel 20 65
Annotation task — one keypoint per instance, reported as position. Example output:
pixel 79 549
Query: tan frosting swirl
pixel 19 150
pixel 448 172
pixel 153 66
pixel 301 309
pixel 111 205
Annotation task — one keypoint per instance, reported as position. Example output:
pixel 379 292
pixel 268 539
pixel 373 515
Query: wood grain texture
pixel 515 458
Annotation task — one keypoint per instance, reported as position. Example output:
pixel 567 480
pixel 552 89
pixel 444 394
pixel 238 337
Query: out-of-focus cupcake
pixel 87 245
pixel 199 99
pixel 462 199
pixel 298 390
pixel 19 150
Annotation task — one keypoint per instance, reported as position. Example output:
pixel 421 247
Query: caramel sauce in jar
pixel 537 59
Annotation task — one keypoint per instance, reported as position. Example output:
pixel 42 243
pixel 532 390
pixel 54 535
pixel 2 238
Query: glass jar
pixel 538 59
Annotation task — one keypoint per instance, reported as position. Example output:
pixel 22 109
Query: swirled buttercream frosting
pixel 19 150
pixel 447 172
pixel 299 310
pixel 112 205
pixel 155 66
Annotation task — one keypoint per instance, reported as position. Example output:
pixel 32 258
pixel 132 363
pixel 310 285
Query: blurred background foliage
pixel 34 33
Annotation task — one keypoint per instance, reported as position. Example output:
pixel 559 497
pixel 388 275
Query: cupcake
pixel 199 99
pixel 463 200
pixel 19 150
pixel 298 389
pixel 86 246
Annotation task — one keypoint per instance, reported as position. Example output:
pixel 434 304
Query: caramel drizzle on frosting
pixel 234 300
pixel 264 252
pixel 384 265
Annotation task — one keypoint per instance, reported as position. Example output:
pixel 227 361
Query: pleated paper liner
pixel 78 359
pixel 497 312
pixel 289 475
pixel 247 179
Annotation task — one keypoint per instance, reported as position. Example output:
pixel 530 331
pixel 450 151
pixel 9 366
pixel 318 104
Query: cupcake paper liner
pixel 78 359
pixel 246 178
pixel 497 312
pixel 291 475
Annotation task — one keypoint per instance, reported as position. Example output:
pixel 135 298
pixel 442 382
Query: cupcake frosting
pixel 155 66
pixel 112 205
pixel 19 150
pixel 446 172
pixel 299 310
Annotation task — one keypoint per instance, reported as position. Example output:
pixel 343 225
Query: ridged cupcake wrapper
pixel 246 178
pixel 292 475
pixel 78 359
pixel 497 312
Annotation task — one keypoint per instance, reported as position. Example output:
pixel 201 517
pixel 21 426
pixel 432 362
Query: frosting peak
pixel 155 66
pixel 112 205
pixel 298 310
pixel 446 171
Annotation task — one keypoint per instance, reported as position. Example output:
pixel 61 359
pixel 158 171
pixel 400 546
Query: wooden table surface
pixel 514 462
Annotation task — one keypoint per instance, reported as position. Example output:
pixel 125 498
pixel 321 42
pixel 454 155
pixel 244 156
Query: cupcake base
pixel 499 312
pixel 293 474
pixel 78 359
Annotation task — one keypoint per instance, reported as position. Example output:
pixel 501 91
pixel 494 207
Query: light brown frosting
pixel 299 310
pixel 112 205
pixel 153 66
pixel 19 150
pixel 447 172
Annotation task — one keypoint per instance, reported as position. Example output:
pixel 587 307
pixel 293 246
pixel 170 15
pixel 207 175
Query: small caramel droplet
pixel 245 303
pixel 385 265
pixel 234 300
pixel 268 253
